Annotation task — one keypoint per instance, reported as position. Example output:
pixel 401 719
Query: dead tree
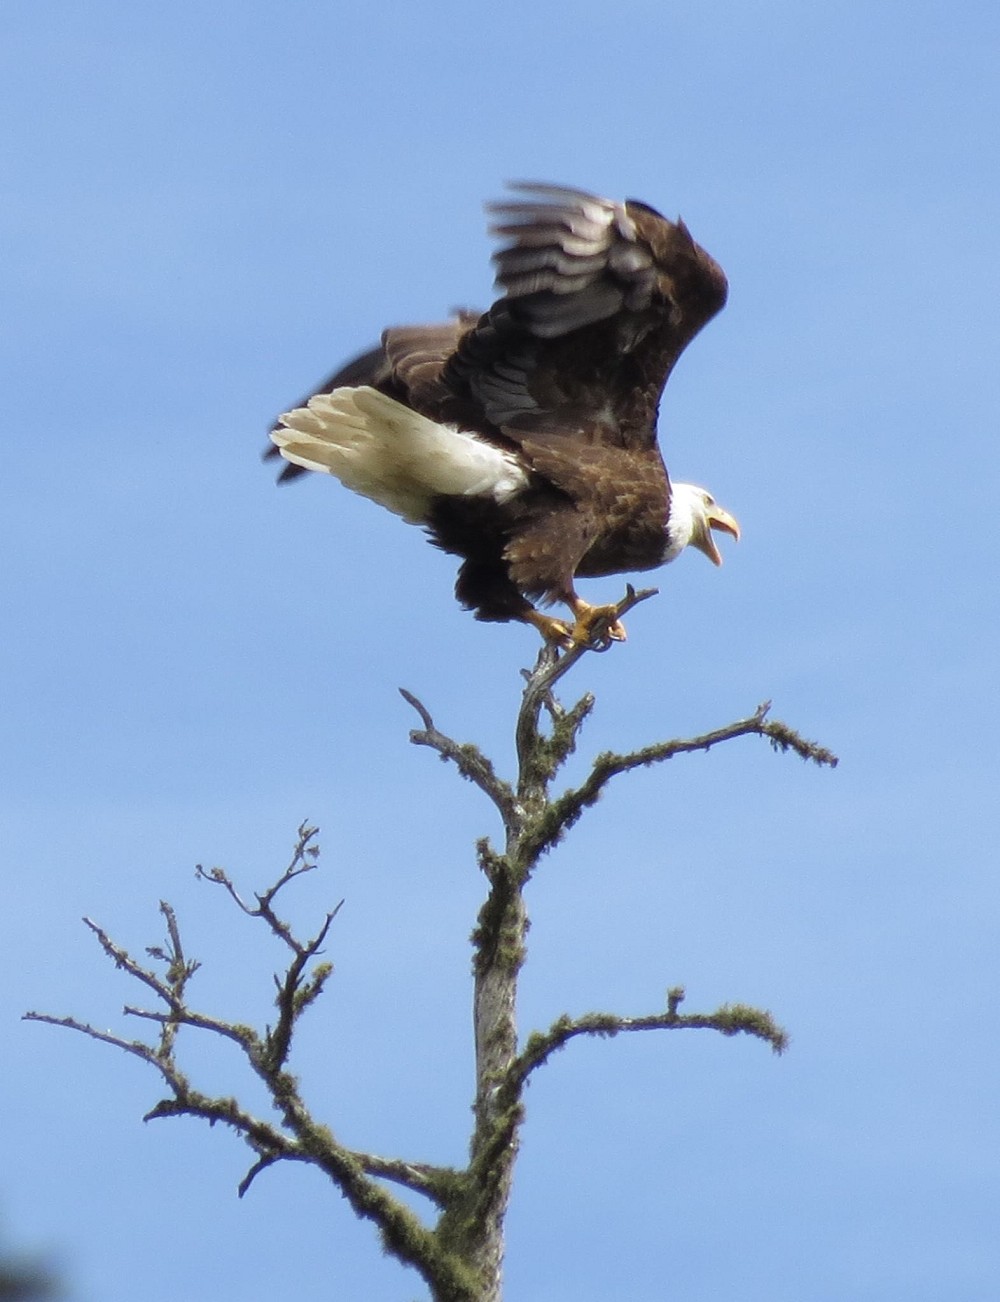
pixel 458 1249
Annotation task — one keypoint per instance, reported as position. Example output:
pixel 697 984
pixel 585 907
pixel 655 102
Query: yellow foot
pixel 553 630
pixel 597 624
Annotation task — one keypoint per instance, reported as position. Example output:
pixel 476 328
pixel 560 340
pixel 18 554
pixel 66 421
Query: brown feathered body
pixel 563 377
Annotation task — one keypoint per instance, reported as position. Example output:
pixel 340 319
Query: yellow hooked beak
pixel 715 518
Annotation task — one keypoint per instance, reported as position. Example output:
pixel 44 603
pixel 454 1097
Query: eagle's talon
pixel 587 631
pixel 553 630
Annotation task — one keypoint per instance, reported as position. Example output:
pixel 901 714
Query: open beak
pixel 716 518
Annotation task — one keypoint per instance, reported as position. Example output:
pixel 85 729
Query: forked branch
pixel 298 1138
pixel 460 1257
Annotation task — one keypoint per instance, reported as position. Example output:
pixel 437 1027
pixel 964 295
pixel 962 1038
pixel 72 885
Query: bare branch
pixel 137 1048
pixel 300 1139
pixel 262 1137
pixel 468 759
pixel 730 1019
pixel 179 972
pixel 123 959
pixel 434 1182
pixel 295 994
pixel 566 725
pixel 303 861
pixel 565 810
pixel 244 1036
pixel 431 1181
pixel 273 1145
pixel 296 989
pixel 783 738
pixel 262 1163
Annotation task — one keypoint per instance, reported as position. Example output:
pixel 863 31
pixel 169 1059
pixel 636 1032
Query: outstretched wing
pixel 599 300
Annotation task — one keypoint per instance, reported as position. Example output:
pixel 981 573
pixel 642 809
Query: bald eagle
pixel 524 439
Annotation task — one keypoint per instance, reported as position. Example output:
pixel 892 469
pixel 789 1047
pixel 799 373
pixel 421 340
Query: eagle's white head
pixel 694 513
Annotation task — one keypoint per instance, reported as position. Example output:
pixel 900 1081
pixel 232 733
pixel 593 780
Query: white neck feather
pixel 686 507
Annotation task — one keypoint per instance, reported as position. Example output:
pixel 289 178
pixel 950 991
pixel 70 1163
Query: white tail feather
pixel 390 453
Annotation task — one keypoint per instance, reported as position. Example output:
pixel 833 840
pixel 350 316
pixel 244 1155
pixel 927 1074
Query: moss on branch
pixel 460 1256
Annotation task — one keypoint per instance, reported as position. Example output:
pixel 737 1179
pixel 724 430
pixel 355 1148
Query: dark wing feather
pixel 407 365
pixel 599 300
pixel 570 260
pixel 416 356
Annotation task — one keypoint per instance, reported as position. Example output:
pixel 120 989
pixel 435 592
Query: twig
pixel 303 860
pixel 468 759
pixel 295 990
pixel 137 1048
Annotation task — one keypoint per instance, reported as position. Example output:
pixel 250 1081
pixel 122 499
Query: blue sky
pixel 207 207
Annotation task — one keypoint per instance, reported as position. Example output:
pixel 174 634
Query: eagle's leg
pixel 552 630
pixel 588 617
